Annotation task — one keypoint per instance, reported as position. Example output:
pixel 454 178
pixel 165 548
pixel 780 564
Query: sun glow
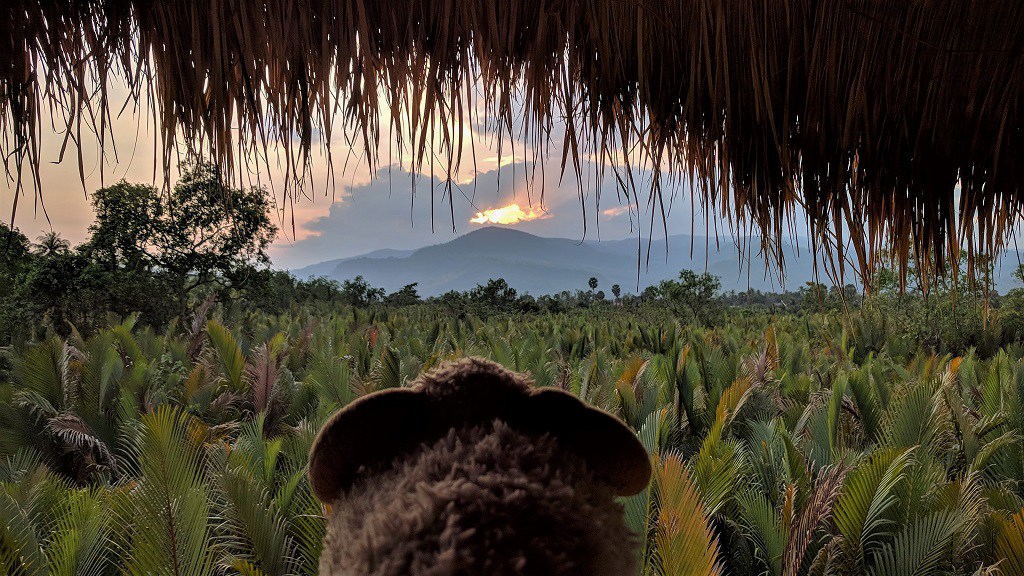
pixel 511 214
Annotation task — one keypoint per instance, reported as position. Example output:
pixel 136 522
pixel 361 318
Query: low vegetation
pixel 780 445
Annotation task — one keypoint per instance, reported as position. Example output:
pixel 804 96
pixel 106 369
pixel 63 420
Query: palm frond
pixel 43 371
pixel 685 541
pixel 815 513
pixel 1009 548
pixel 765 526
pixel 227 354
pixel 167 527
pixel 262 372
pixel 78 545
pixel 862 514
pixel 921 549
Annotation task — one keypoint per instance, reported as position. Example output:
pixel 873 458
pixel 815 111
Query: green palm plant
pixel 165 525
pixel 72 401
pixel 78 544
pixel 329 378
pixel 265 506
pixel 866 511
pixel 47 526
pixel 226 355
pixel 27 499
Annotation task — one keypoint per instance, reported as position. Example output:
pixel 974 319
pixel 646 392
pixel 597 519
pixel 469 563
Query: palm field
pixel 779 445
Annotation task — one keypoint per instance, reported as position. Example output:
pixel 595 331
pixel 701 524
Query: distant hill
pixel 537 265
pixel 326 269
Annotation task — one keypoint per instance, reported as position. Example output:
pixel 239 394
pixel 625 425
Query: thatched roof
pixel 894 121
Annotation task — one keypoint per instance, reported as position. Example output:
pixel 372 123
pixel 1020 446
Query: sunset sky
pixel 361 211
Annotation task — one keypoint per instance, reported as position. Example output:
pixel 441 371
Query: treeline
pixel 949 318
pixel 160 253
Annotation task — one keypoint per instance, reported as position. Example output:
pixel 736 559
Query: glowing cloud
pixel 511 214
pixel 501 161
pixel 617 211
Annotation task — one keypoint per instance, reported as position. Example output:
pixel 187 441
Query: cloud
pixel 400 211
pixel 617 211
pixel 394 210
pixel 511 214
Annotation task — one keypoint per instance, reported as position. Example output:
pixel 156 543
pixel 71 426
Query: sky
pixel 362 210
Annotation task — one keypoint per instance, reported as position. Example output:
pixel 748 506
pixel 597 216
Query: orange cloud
pixel 511 214
pixel 618 210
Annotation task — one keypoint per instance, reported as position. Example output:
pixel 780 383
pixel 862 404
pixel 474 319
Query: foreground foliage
pixel 780 445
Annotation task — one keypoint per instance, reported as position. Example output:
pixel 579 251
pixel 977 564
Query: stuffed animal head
pixel 470 471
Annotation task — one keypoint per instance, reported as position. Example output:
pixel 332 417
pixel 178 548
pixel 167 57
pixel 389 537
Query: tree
pixel 358 292
pixel 15 256
pixel 407 296
pixel 56 289
pixel 693 293
pixel 592 283
pixel 202 232
pixel 50 244
pixel 495 294
pixel 15 265
pixel 616 291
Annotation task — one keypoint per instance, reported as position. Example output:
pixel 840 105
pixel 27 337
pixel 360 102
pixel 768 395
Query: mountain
pixel 326 268
pixel 537 265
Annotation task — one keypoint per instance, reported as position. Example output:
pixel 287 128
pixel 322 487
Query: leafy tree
pixel 406 296
pixel 1011 315
pixel 57 285
pixel 592 283
pixel 496 294
pixel 15 264
pixel 818 297
pixel 692 294
pixel 202 232
pixel 318 289
pixel 616 291
pixel 358 292
pixel 275 291
pixel 15 255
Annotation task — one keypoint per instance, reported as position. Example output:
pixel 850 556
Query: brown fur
pixel 471 472
pixel 484 500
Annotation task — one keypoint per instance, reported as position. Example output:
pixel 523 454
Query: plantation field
pixel 783 445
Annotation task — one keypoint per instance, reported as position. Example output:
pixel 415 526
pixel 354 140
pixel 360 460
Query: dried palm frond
pixel 262 373
pixel 78 436
pixel 812 518
pixel 885 123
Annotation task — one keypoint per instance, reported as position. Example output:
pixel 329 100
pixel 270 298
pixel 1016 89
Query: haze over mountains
pixel 536 265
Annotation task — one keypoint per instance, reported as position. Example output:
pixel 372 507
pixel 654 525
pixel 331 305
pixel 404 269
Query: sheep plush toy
pixel 471 471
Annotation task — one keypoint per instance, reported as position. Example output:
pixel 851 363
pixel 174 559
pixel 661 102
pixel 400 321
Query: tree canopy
pixel 201 232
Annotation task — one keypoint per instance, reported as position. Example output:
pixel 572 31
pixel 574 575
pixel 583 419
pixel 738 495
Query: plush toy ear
pixel 374 427
pixel 378 427
pixel 610 448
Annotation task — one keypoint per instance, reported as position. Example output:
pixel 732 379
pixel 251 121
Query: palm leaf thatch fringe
pixel 895 124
